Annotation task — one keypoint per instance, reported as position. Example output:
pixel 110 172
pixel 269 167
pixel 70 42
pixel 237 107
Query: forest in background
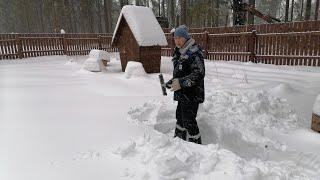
pixel 100 16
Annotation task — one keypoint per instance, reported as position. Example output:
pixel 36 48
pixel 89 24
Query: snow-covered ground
pixel 58 121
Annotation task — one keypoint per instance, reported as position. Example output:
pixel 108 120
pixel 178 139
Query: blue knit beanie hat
pixel 181 31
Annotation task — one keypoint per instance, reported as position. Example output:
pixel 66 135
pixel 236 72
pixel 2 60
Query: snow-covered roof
pixel 143 24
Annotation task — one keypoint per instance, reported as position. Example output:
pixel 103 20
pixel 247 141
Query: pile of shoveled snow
pixel 99 54
pixel 316 106
pixel 93 65
pixel 94 62
pixel 134 69
pixel 159 157
pixel 232 124
pixel 234 119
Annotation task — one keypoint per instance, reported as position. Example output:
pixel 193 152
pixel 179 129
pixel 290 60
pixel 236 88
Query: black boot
pixel 180 134
pixel 194 140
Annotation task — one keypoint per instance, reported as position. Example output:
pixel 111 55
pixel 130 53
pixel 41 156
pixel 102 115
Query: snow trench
pixel 232 124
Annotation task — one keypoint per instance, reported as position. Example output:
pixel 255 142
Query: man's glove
pixel 175 86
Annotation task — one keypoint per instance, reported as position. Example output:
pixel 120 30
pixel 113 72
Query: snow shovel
pixel 163 85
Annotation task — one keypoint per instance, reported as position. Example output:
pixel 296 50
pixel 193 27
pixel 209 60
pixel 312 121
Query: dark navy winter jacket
pixel 189 68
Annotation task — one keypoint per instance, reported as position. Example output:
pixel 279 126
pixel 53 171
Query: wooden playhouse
pixel 139 37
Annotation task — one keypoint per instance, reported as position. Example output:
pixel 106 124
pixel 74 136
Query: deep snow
pixel 59 121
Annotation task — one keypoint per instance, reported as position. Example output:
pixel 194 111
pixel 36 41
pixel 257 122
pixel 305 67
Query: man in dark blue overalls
pixel 187 84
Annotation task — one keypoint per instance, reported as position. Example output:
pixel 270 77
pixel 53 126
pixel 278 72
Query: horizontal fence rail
pixel 269 44
pixel 13 46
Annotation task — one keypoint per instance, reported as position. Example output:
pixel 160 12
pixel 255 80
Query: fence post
pixel 19 46
pixel 206 41
pixel 252 46
pixel 64 44
pixel 172 43
pixel 99 41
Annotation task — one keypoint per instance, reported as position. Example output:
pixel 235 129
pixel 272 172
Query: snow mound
pixel 134 69
pixel 283 89
pixel 249 109
pixel 99 54
pixel 157 156
pixel 316 106
pixel 93 65
pixel 235 119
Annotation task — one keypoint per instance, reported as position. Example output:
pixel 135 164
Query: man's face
pixel 179 41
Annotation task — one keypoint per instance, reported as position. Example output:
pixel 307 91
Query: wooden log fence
pixel 258 43
pixel 13 46
pixel 294 48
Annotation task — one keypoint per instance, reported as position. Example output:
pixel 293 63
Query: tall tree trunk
pixel 55 21
pixel 108 15
pixel 159 7
pixel 208 13
pixel 146 2
pixel 91 14
pixel 217 10
pixel 308 10
pixel 292 9
pixel 40 5
pixel 227 20
pixel 286 18
pixel 301 11
pixel 123 3
pixel 163 8
pixel 74 18
pixel 177 20
pixel 171 13
pixel 62 15
pixel 67 13
pixel 250 15
pixel 27 16
pixel 99 16
pixel 183 6
pixel 273 7
pixel 167 8
pixel 316 10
